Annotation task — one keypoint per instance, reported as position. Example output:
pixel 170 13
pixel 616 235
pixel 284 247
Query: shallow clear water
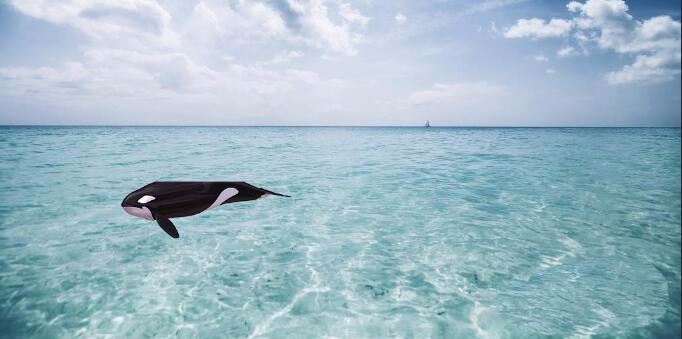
pixel 391 232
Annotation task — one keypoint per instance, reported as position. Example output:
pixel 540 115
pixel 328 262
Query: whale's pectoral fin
pixel 167 226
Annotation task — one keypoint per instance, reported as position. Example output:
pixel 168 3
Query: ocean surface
pixel 390 232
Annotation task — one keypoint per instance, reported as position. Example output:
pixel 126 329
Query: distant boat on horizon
pixel 427 124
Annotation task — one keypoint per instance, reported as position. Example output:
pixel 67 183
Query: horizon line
pixel 337 126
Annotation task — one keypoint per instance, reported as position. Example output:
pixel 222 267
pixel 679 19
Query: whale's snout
pixel 140 212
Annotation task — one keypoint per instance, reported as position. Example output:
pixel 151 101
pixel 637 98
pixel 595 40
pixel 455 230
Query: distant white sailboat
pixel 427 124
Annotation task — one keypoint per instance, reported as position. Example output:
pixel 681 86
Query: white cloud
pixel 567 51
pixel 615 28
pixel 141 50
pixel 284 58
pixel 321 31
pixel 264 16
pixel 332 25
pixel 538 28
pixel 212 23
pixel 541 58
pixel 114 21
pixel 115 72
pixel 661 66
pixel 445 92
pixel 658 33
pixel 550 71
pixel 492 29
pixel 490 5
pixel 609 17
pixel 606 24
pixel 400 18
pixel 351 15
pixel 136 74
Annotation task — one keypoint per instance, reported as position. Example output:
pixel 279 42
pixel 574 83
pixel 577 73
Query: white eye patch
pixel 146 199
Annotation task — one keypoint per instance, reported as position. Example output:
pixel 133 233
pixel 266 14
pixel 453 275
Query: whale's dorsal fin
pixel 167 226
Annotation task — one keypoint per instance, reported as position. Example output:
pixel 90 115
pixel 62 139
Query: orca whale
pixel 162 200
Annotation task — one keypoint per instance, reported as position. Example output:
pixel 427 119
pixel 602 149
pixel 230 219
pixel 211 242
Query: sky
pixel 338 62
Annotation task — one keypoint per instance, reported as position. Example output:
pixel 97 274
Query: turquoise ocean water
pixel 390 232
